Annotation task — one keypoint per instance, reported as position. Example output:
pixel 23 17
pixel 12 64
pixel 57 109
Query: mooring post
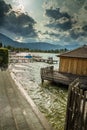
pixel 42 81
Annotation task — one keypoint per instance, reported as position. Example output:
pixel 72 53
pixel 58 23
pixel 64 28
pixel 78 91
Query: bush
pixel 3 57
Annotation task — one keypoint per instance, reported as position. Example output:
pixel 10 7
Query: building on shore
pixel 74 62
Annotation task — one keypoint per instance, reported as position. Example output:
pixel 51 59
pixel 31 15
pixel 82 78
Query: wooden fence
pixel 76 114
pixel 46 73
pixel 46 70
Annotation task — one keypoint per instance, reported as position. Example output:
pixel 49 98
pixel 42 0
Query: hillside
pixel 34 45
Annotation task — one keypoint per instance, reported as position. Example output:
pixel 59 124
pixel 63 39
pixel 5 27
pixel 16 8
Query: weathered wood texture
pixel 50 74
pixel 76 115
pixel 73 65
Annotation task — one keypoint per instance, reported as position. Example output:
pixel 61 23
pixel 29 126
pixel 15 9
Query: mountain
pixel 72 46
pixel 34 45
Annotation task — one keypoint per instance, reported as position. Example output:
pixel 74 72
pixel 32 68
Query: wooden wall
pixel 73 65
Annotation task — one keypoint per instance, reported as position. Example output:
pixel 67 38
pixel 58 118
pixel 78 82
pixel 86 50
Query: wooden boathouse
pixel 72 64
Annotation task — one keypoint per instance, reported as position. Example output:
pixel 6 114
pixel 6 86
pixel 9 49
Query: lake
pixel 50 98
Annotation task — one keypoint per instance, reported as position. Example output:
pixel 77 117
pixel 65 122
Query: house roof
pixel 80 52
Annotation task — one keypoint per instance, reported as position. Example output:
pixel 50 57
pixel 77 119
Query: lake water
pixel 50 98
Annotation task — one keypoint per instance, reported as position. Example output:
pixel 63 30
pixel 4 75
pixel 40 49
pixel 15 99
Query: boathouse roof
pixel 80 52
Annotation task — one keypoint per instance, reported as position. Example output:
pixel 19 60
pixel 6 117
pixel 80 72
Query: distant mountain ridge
pixel 34 45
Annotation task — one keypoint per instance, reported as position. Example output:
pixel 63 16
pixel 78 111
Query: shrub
pixel 3 57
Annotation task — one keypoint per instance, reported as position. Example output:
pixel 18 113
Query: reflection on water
pixel 50 98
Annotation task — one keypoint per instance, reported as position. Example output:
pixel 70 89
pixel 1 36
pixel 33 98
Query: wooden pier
pixel 13 58
pixel 76 115
pixel 50 74
pixel 19 60
pixel 49 60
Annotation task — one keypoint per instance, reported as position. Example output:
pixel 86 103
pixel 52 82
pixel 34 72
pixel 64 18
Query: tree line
pixel 11 48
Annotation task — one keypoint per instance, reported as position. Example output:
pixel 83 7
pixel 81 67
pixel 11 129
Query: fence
pixel 76 115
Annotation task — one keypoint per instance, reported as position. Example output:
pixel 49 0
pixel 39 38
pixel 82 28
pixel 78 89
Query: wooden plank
pixel 83 109
pixel 75 63
pixel 79 110
pixel 85 67
pixel 85 124
pixel 62 64
pixel 69 66
pixel 79 67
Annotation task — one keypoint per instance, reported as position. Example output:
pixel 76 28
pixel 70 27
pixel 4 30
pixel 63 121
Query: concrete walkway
pixel 16 113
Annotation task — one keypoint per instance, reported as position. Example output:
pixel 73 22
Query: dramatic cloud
pixel 84 28
pixel 20 23
pixel 4 8
pixel 67 17
pixel 57 21
pixel 16 21
pixel 56 14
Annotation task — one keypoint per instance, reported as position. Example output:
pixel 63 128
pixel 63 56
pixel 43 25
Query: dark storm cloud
pixel 68 18
pixel 59 20
pixel 76 35
pixel 79 32
pixel 85 7
pixel 17 22
pixel 51 34
pixel 84 28
pixel 56 14
pixel 66 25
pixel 20 23
pixel 4 8
pixel 63 26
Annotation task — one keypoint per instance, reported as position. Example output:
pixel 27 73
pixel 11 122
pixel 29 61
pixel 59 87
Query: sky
pixel 62 22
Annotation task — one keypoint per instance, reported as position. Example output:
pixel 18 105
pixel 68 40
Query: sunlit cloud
pixel 19 39
pixel 18 6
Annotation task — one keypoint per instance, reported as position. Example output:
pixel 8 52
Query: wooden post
pixel 85 124
pixel 42 81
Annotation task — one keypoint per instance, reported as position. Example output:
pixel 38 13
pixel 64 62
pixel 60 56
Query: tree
pixel 0 44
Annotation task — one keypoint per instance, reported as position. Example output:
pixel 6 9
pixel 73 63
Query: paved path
pixel 15 111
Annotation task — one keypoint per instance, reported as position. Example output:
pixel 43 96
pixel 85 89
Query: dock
pixel 48 73
pixel 25 59
pixel 14 58
pixel 17 110
pixel 19 60
pixel 48 60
